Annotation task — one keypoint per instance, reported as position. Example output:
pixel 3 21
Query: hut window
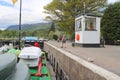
pixel 90 24
pixel 78 25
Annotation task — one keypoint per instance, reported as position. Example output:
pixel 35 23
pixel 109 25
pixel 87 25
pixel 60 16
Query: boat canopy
pixel 30 53
pixel 30 38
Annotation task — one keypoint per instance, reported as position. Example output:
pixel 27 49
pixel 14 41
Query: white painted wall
pixel 88 37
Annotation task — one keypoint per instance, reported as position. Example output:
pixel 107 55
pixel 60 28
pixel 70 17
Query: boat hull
pixel 7 65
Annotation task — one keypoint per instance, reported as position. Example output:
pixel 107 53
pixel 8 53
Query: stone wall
pixel 75 67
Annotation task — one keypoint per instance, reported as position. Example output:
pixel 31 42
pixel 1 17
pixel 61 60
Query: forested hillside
pixel 32 27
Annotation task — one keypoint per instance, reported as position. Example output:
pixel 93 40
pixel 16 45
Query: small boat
pixel 21 72
pixel 30 55
pixel 7 65
pixel 11 70
pixel 36 61
pixel 31 65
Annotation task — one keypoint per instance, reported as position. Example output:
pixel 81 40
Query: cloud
pixel 32 12
pixel 111 1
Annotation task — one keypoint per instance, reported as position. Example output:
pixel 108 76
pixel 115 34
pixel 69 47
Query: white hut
pixel 87 31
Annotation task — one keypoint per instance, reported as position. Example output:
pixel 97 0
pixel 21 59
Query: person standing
pixel 91 26
pixel 63 41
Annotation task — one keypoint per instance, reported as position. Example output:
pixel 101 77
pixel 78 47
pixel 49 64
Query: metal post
pixel 84 6
pixel 20 24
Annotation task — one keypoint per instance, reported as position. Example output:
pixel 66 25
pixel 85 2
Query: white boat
pixel 7 65
pixel 30 55
pixel 11 70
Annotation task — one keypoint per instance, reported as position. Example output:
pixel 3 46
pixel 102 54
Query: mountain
pixel 32 27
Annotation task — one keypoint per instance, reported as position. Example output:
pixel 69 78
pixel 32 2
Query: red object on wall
pixel 77 37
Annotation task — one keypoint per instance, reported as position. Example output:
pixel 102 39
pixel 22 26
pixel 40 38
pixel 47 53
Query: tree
pixel 52 27
pixel 111 22
pixel 9 33
pixel 55 37
pixel 51 35
pixel 65 11
pixel 24 33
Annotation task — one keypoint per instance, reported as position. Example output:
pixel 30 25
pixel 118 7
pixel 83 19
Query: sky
pixel 32 12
